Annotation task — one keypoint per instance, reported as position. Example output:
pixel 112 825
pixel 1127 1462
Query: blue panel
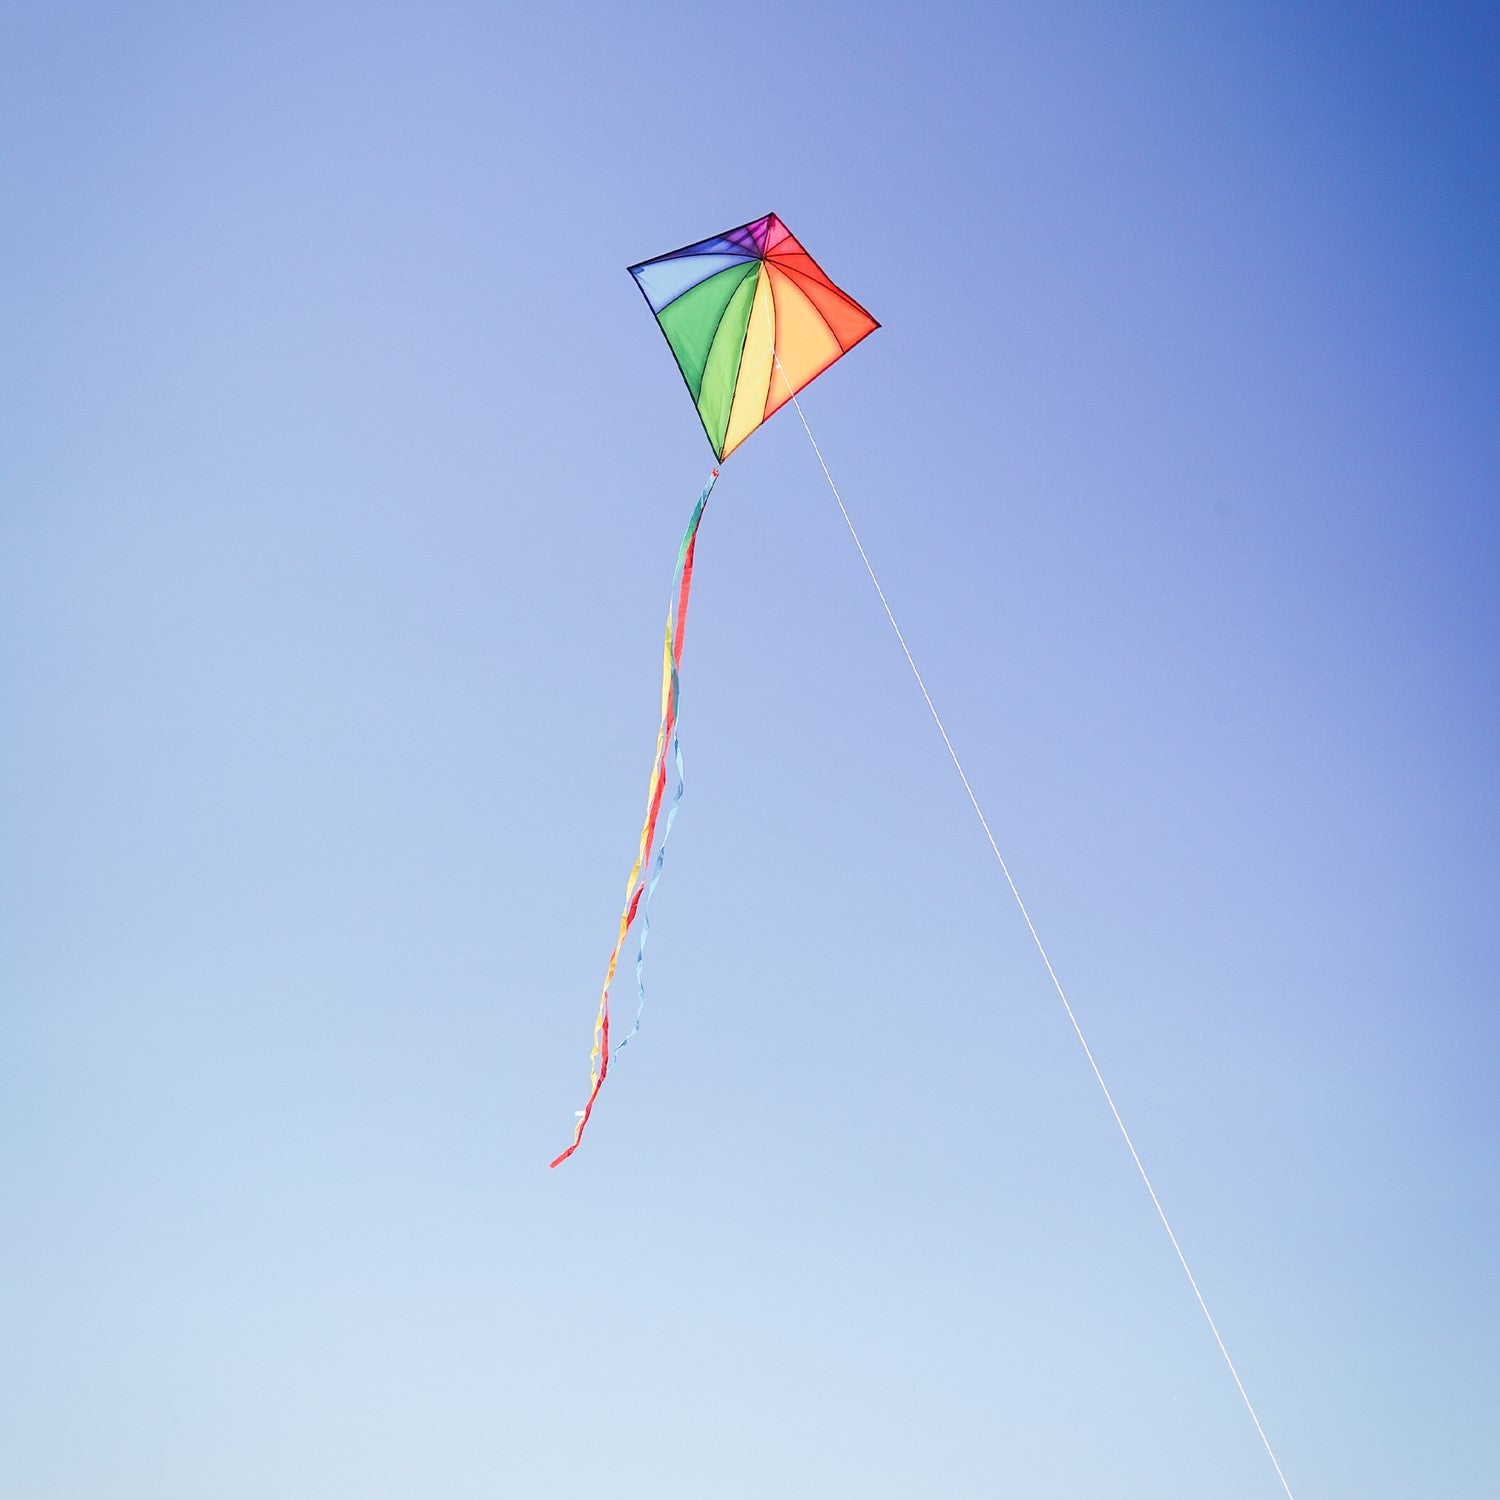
pixel 730 241
pixel 663 281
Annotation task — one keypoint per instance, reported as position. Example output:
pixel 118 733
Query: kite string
pixel 1140 1167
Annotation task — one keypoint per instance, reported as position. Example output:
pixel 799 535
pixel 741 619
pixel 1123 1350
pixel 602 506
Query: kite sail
pixel 751 318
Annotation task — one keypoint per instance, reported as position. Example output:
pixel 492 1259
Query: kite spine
pixel 639 885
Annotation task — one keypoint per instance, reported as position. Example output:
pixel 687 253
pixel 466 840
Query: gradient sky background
pixel 343 471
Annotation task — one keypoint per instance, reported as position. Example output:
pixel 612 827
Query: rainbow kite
pixel 751 319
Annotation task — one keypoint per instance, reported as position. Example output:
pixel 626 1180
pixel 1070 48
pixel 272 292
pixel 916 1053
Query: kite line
pixel 1135 1156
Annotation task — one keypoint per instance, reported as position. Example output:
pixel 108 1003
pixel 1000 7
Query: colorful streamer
pixel 639 887
pixel 656 868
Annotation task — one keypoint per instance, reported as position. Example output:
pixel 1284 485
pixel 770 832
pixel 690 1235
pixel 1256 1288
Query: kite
pixel 751 318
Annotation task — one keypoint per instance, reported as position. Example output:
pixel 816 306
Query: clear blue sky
pixel 342 472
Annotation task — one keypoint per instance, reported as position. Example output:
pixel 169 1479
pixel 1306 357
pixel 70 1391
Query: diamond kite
pixel 751 318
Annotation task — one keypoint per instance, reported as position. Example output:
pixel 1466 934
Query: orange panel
pixel 804 343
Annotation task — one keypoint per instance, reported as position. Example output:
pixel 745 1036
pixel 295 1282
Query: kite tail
pixel 638 888
pixel 682 584
pixel 656 866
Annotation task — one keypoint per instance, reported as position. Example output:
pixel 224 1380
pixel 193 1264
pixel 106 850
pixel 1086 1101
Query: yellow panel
pixel 756 365
pixel 804 343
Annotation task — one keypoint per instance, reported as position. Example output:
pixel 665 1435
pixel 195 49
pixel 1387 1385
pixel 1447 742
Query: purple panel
pixel 720 244
pixel 746 239
pixel 751 236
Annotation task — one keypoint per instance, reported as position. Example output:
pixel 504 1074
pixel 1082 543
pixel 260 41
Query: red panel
pixel 802 263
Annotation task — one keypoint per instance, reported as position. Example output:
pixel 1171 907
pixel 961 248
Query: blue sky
pixel 343 472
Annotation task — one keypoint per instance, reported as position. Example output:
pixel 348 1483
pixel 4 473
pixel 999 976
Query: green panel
pixel 691 321
pixel 722 371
